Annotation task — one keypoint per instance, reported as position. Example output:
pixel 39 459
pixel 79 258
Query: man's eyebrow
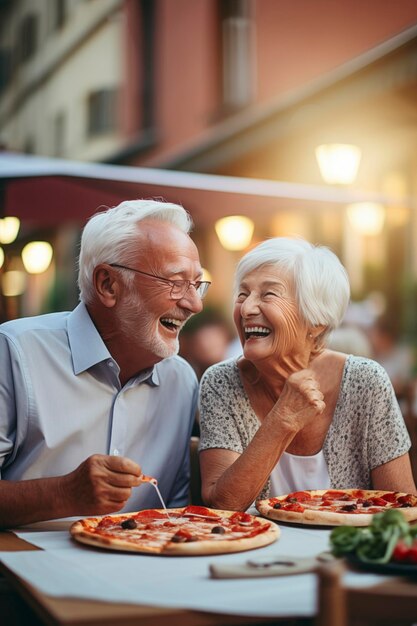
pixel 176 270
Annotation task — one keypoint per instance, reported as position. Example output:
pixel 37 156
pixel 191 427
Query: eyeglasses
pixel 178 287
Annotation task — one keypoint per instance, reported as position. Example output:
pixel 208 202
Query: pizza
pixel 191 530
pixel 336 507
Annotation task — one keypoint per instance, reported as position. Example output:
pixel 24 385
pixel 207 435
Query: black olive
pixel 277 505
pixel 366 503
pixel 218 530
pixel 178 539
pixel 349 507
pixel 129 524
pixel 405 505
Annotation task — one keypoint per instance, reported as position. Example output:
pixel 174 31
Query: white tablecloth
pixel 70 570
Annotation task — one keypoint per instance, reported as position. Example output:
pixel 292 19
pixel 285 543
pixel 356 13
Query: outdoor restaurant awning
pixel 47 192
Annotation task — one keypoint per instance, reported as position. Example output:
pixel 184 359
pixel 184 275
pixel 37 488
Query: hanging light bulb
pixel 234 232
pixel 338 162
pixel 37 256
pixel 1 257
pixel 13 283
pixel 9 228
pixel 367 218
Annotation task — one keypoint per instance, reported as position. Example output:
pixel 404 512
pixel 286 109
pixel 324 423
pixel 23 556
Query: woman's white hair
pixel 111 236
pixel 321 282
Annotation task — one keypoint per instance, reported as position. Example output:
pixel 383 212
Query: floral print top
pixel 367 429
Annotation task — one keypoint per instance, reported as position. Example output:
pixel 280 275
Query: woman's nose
pixel 250 306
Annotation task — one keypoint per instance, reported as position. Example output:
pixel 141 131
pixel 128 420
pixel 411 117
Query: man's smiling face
pixel 148 315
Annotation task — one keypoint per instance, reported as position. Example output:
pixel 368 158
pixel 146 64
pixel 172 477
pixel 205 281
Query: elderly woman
pixel 289 414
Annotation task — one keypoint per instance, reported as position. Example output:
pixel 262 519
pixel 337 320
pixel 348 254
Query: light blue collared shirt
pixel 61 401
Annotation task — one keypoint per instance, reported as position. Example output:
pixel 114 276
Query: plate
pixel 396 569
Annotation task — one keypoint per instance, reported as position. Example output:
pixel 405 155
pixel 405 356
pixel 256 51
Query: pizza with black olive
pixel 336 507
pixel 191 530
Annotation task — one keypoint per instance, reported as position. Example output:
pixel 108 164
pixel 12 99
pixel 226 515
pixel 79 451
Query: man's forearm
pixel 27 501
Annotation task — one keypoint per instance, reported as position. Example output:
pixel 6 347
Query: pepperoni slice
pixel 294 507
pixel 333 494
pixel 390 497
pixel 199 510
pixel 298 496
pixel 377 501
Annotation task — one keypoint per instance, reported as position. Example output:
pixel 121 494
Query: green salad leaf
pixel 376 543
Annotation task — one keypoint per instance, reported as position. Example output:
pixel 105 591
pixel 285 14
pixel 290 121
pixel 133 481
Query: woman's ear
pixel 106 285
pixel 316 331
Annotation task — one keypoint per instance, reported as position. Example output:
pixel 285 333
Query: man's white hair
pixel 321 282
pixel 111 236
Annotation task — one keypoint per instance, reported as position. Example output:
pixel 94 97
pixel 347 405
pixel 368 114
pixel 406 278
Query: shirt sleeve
pixel 180 495
pixel 219 409
pixel 388 437
pixel 12 390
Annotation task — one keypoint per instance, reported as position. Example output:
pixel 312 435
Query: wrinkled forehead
pixel 266 273
pixel 166 246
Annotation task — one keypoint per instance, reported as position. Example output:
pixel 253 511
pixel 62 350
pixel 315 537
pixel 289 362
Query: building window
pixel 102 112
pixel 29 146
pixel 57 14
pixel 5 68
pixel 59 130
pixel 28 37
pixel 237 52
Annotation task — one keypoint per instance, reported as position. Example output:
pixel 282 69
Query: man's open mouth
pixel 171 323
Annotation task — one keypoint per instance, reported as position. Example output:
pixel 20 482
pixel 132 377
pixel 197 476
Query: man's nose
pixel 192 300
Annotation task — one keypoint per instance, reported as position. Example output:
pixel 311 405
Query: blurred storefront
pixel 244 91
pixel 53 198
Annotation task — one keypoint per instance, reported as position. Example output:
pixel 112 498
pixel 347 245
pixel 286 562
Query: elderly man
pixel 87 396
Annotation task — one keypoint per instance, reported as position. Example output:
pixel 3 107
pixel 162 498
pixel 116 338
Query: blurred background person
pixel 350 339
pixel 206 339
pixel 396 357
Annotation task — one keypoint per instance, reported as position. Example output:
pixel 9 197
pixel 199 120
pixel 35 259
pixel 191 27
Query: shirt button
pixel 111 364
pixel 116 452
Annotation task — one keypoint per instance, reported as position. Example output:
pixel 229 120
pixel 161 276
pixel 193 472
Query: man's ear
pixel 106 285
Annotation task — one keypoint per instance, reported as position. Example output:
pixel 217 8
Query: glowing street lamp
pixel 37 256
pixel 9 228
pixel 234 232
pixel 13 283
pixel 367 218
pixel 338 163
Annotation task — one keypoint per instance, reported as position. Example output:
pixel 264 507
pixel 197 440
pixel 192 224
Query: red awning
pixel 46 192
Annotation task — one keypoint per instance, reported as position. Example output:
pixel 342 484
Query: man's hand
pixel 300 401
pixel 101 484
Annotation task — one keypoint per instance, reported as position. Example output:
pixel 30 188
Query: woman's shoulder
pixel 363 366
pixel 353 365
pixel 225 371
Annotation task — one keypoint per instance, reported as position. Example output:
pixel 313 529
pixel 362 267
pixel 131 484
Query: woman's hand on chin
pixel 300 401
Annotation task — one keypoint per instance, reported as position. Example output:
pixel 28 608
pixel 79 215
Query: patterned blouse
pixel 367 429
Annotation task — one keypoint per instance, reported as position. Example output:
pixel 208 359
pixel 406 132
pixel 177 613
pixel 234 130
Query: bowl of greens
pixel 388 545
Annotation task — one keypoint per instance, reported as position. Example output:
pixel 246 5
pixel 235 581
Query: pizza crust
pixel 83 531
pixel 329 518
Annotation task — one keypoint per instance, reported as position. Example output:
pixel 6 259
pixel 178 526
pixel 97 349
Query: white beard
pixel 135 310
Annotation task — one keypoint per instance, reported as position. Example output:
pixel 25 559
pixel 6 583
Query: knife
pixel 279 565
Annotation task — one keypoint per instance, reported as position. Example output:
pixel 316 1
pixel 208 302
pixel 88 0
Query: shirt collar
pixel 88 348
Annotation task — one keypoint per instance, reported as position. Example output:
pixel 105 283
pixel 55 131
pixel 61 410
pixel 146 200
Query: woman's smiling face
pixel 266 316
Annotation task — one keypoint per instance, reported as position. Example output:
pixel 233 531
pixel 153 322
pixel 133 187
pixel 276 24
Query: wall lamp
pixel 234 232
pixel 338 163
